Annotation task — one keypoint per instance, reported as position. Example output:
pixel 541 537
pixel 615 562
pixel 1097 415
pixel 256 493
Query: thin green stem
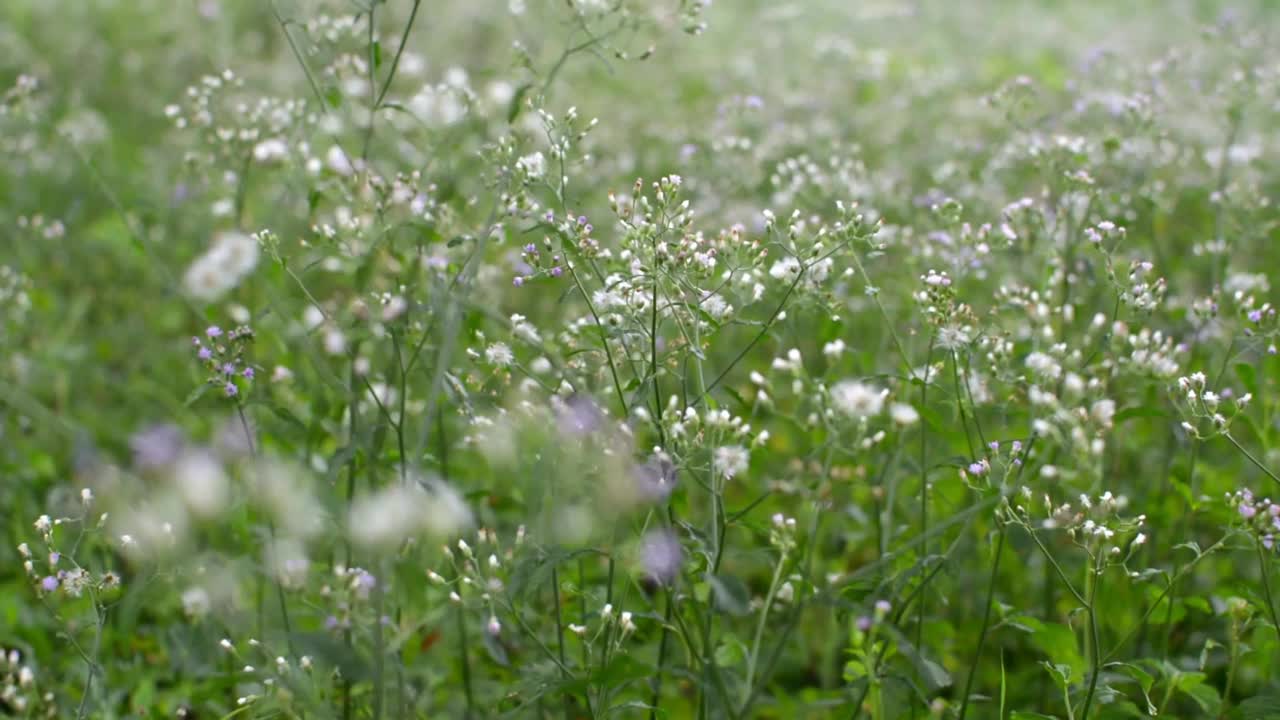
pixel 921 609
pixel 986 622
pixel 764 619
pixel 1256 462
pixel 1095 577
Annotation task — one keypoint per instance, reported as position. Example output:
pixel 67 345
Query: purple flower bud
pixel 531 248
pixel 1255 316
pixel 1247 511
pixel 864 623
pixel 517 281
pixel 205 353
pixel 49 583
pixel 54 557
pixel 557 271
pixel 582 219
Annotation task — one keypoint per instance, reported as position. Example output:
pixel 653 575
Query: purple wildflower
pixel 204 353
pixel 656 478
pixel 579 415
pixel 214 331
pixel 517 281
pixel 557 271
pixel 661 555
pixel 156 446
pixel 231 389
pixel 49 583
pixel 864 623
pixel 228 369
pixel 248 373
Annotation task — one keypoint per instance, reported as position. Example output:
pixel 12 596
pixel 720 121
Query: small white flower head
pixel 903 414
pixel 338 162
pixel 786 593
pixel 731 460
pixel 533 165
pixel 498 355
pixel 857 400
pixel 196 603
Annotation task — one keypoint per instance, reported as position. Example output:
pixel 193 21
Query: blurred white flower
pixel 387 517
pixel 857 399
pixel 230 257
pixel 202 483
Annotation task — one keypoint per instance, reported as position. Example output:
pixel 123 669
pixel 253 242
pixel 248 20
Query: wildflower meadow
pixel 657 359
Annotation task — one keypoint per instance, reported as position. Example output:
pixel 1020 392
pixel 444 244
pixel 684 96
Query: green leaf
pixel 731 652
pixel 1059 643
pixel 623 669
pixel 1265 706
pixel 1248 375
pixel 934 675
pixel 1060 672
pixel 196 394
pixel 517 102
pixel 334 96
pixel 730 594
pixel 1206 696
